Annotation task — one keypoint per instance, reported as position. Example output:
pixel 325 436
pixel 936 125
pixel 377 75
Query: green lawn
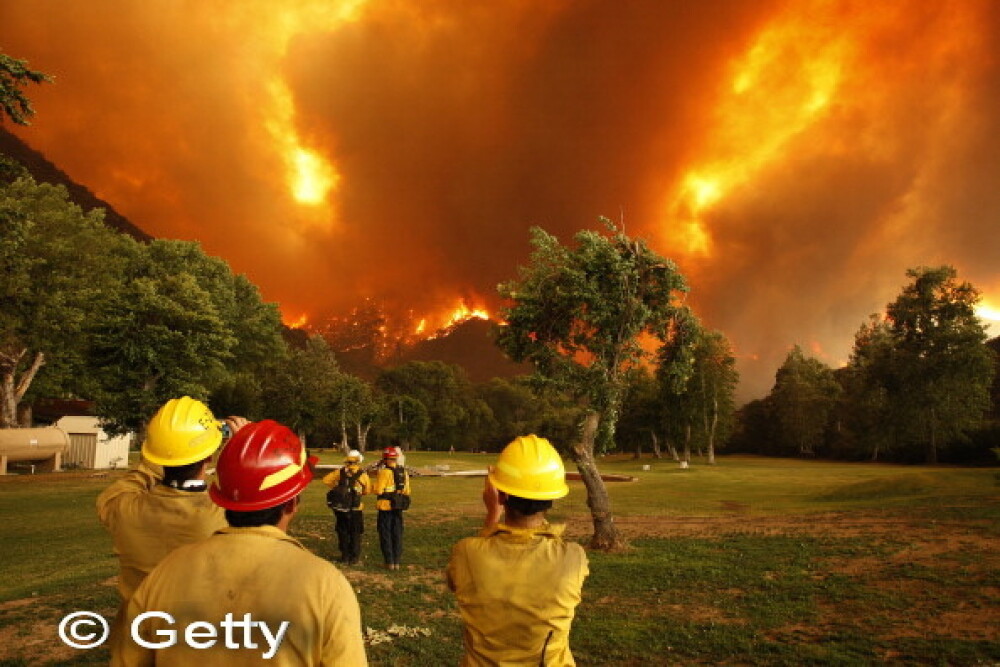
pixel 752 561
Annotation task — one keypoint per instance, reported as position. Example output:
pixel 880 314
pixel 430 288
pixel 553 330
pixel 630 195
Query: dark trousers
pixel 350 526
pixel 390 534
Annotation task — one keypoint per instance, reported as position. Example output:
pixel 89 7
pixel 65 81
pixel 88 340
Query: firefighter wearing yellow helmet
pixel 518 583
pixel 347 485
pixel 163 503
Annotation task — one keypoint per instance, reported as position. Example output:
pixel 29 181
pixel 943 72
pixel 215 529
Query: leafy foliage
pixel 925 371
pixel 15 75
pixel 59 268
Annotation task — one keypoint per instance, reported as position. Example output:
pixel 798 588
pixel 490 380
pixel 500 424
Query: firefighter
pixel 518 583
pixel 392 487
pixel 251 574
pixel 163 503
pixel 347 486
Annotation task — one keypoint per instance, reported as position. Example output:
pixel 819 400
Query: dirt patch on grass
pixel 923 583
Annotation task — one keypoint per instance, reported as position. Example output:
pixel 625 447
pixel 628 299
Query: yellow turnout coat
pixel 259 574
pixel 517 592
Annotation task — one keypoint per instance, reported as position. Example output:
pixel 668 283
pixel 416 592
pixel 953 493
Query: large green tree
pixel 579 315
pixel 59 268
pixel 303 389
pixel 804 395
pixel 162 335
pixel 929 360
pixel 698 378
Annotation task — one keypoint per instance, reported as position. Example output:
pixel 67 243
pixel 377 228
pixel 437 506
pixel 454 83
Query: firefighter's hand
pixel 235 424
pixel 491 499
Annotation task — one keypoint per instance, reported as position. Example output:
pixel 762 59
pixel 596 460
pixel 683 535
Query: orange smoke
pixel 794 157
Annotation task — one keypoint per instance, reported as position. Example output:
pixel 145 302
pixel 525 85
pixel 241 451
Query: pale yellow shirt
pixel 148 520
pixel 259 571
pixel 517 592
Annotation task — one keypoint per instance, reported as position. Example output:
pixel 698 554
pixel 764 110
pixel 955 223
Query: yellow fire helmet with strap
pixel 183 431
pixel 530 467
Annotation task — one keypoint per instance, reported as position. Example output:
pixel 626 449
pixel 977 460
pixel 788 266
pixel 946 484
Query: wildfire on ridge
pixel 299 323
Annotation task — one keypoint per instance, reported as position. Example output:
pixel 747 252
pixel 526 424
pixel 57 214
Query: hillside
pixel 44 171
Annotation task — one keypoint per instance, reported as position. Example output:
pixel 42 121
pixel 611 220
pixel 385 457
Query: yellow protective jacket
pixel 148 520
pixel 385 482
pixel 260 572
pixel 517 592
pixel 362 485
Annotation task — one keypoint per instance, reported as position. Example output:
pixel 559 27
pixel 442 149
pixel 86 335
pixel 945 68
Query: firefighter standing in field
pixel 518 583
pixel 392 487
pixel 163 503
pixel 252 570
pixel 347 486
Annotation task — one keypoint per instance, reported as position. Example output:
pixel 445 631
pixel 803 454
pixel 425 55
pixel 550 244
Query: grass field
pixel 753 561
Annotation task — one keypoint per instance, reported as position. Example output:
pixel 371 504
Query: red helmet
pixel 390 453
pixel 262 466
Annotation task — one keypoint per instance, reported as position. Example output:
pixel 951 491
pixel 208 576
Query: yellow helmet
pixel 183 431
pixel 530 467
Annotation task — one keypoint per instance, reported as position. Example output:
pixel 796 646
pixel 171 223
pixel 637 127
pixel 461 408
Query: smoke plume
pixel 795 158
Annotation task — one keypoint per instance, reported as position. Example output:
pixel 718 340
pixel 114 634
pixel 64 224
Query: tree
pixel 182 324
pixel 868 411
pixel 640 419
pixel 930 360
pixel 358 406
pixel 699 379
pixel 15 75
pixel 446 394
pixel 161 336
pixel 58 266
pixel 304 388
pixel 578 314
pixel 804 395
pixel 407 420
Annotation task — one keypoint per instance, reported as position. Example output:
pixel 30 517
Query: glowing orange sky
pixel 795 158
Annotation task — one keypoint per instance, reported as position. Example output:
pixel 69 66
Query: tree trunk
pixel 363 437
pixel 687 444
pixel 638 450
pixel 656 445
pixel 25 415
pixel 606 536
pixel 345 446
pixel 712 428
pixel 932 443
pixel 12 389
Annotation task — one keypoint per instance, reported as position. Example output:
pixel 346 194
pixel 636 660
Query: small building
pixel 90 447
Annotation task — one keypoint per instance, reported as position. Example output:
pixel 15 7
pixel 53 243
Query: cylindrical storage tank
pixel 30 444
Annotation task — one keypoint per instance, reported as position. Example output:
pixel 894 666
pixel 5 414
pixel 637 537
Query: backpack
pixel 343 497
pixel 397 499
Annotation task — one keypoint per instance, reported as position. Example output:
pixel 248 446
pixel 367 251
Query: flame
pixel 464 313
pixel 421 326
pixel 781 86
pixel 299 323
pixel 310 177
pixel 986 311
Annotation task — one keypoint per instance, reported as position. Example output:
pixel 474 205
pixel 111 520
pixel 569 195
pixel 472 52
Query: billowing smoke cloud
pixel 794 157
